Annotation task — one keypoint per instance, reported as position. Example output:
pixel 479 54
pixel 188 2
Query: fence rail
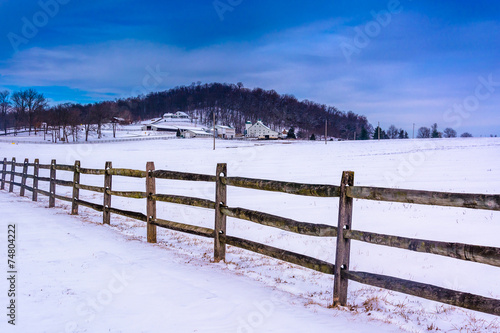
pixel 343 231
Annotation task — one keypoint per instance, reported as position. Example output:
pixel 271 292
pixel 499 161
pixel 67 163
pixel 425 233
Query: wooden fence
pixel 344 233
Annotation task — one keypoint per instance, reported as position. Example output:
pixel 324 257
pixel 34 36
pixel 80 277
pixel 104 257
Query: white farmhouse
pixel 259 130
pixel 225 132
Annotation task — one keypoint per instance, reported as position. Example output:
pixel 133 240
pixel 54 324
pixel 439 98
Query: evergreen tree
pixel 178 133
pixel 313 137
pixel 383 134
pixel 434 131
pixel 291 133
pixel 364 134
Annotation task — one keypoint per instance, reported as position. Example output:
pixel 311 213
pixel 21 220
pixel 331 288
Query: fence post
pixel 76 191
pixel 220 218
pixel 52 189
pixel 4 171
pixel 23 179
pixel 343 245
pixel 106 215
pixel 35 179
pixel 151 202
pixel 12 170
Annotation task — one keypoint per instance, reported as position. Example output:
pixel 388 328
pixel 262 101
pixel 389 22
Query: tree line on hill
pixel 232 105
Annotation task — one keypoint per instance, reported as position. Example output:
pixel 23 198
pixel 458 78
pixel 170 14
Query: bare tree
pixel 4 107
pixel 29 102
pixel 19 109
pixel 100 114
pixel 392 132
pixel 74 120
pixel 424 132
pixel 450 133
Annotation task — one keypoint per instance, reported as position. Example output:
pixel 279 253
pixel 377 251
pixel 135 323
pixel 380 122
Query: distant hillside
pixel 233 105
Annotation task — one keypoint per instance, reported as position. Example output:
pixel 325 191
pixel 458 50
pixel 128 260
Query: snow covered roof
pixel 199 132
pixel 260 123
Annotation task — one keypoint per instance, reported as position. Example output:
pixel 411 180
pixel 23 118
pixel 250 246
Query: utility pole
pixel 214 129
pixel 326 130
pixel 378 130
pixel 413 135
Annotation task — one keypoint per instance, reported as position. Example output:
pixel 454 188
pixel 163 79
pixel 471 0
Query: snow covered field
pixel 91 254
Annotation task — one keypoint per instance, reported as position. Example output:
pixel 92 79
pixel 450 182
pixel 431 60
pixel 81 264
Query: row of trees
pixel 232 105
pixel 26 104
pixel 392 133
pixel 27 110
pixel 423 132
pixel 432 132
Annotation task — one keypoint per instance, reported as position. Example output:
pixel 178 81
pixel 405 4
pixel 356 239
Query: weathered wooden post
pixel 4 172
pixel 343 244
pixel 23 178
pixel 35 179
pixel 52 189
pixel 151 202
pixel 106 215
pixel 220 218
pixel 12 170
pixel 76 190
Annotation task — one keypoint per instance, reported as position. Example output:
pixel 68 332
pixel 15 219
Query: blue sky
pixel 397 62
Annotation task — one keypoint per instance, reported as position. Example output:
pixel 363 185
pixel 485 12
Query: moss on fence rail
pixel 190 229
pixel 176 175
pixel 304 228
pixel 190 201
pixel 464 200
pixel 427 291
pixel 291 257
pixel 286 187
pixel 127 173
pixel 481 254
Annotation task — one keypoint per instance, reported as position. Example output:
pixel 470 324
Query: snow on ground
pixel 76 276
pixel 458 165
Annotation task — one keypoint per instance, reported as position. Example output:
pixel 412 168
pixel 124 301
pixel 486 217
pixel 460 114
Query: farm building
pixel 259 130
pixel 225 132
pixel 197 134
